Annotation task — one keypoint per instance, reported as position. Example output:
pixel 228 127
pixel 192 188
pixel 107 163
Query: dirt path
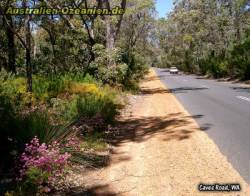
pixel 162 151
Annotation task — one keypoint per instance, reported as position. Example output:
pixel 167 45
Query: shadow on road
pixel 153 78
pixel 173 90
pixel 241 89
pixel 186 89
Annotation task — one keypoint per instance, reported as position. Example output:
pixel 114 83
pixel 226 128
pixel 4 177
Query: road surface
pixel 221 109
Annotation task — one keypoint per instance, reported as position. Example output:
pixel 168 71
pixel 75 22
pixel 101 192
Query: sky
pixel 163 7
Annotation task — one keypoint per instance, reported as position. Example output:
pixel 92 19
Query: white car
pixel 174 70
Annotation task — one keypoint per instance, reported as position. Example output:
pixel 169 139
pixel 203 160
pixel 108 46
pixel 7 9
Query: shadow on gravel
pixel 175 126
pixel 102 190
pixel 99 190
pixel 241 89
pixel 153 78
pixel 154 91
pixel 91 160
pixel 170 127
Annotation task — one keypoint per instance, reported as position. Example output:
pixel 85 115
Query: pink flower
pixel 46 158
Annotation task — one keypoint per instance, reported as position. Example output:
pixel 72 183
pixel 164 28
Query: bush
pixel 14 89
pixel 19 124
pixel 50 87
pixel 51 113
pixel 63 111
pixel 17 130
pixel 91 105
pixel 86 100
pixel 79 77
pixel 108 67
pixel 42 166
pixel 82 89
pixel 214 67
pixel 241 60
pixel 137 68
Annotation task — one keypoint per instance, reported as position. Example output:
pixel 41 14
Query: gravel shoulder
pixel 160 151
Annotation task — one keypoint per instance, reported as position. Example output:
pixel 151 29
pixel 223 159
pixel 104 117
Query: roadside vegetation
pixel 208 37
pixel 63 78
pixel 62 85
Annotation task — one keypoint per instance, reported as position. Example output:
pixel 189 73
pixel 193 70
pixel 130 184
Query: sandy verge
pixel 161 151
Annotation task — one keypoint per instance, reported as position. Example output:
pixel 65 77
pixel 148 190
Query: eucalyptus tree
pixel 202 34
pixel 56 43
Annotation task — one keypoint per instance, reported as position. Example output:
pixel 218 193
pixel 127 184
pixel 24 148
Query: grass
pixel 95 142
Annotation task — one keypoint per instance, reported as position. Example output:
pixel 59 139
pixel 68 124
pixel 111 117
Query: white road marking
pixel 243 98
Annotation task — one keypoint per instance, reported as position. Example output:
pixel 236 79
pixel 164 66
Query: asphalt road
pixel 221 109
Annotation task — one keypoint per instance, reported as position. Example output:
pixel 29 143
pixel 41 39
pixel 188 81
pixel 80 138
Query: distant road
pixel 221 109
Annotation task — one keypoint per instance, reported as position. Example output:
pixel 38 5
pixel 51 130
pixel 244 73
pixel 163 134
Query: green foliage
pixel 66 99
pixel 33 176
pixel 15 89
pixel 91 105
pixel 86 100
pixel 240 57
pixel 16 131
pixel 197 40
pixel 40 88
pixel 64 110
pixel 67 54
pixel 55 86
pixel 45 88
pixel 108 66
pixel 137 68
pixel 95 142
pixel 214 67
pixel 71 64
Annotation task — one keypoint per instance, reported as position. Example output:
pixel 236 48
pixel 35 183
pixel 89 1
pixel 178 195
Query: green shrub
pixel 52 86
pixel 87 100
pixel 94 141
pixel 104 101
pixel 240 58
pixel 14 89
pixel 17 130
pixel 66 98
pixel 79 77
pixel 34 175
pixel 65 110
pixel 40 88
pixel 108 67
pixel 214 66
pixel 90 105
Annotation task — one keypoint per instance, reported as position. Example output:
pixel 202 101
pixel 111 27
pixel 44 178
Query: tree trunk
pixel 11 46
pixel 28 54
pixel 110 39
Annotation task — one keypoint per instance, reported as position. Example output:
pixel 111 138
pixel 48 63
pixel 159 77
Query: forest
pixel 207 37
pixel 64 78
